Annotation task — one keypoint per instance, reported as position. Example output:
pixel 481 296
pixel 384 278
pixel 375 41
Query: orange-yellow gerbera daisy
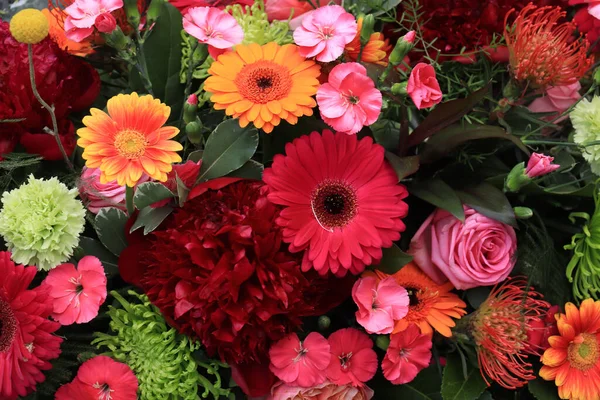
pixel 130 140
pixel 573 359
pixel 263 84
pixel 431 305
pixel 376 50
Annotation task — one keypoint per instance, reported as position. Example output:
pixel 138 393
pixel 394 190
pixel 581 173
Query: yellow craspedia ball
pixel 29 26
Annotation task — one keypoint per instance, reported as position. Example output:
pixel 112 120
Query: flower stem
pixel 141 64
pixel 129 200
pixel 54 131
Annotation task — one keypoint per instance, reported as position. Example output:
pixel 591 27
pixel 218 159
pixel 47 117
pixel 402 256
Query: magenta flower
pixel 409 352
pixel 380 303
pixel 213 26
pixel 325 32
pixel 540 164
pixel 353 360
pixel 82 15
pixel 423 87
pixel 349 100
pixel 77 293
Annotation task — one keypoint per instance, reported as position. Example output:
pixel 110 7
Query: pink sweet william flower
pixel 299 363
pixel 540 164
pixel 423 87
pixel 213 27
pixel 325 32
pixel 380 303
pixel 83 15
pixel 353 360
pixel 77 293
pixel 408 353
pixel 557 99
pixel 349 100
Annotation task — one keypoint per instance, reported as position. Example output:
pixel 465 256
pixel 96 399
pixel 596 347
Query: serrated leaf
pixel 150 218
pixel 404 166
pixel 438 193
pixel 149 193
pixel 110 227
pixel 92 247
pixel 250 170
pixel 543 390
pixel 457 386
pixel 228 148
pixel 393 260
pixel 489 201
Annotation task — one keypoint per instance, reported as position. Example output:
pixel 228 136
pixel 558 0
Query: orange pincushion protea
pixel 573 359
pixel 542 50
pixel 431 306
pixel 263 84
pixel 376 50
pixel 130 140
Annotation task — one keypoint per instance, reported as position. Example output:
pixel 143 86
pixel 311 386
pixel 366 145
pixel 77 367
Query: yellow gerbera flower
pixel 263 84
pixel 130 140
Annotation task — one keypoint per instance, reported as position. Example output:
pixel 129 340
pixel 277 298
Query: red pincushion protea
pixel 27 343
pixel 500 329
pixel 542 50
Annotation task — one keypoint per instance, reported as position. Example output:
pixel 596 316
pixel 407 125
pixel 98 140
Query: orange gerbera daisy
pixel 263 84
pixel 431 306
pixel 130 140
pixel 573 360
pixel 376 50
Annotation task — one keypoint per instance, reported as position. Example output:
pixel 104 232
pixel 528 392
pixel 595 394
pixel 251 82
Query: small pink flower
pixel 349 100
pixel 77 293
pixel 105 23
pixel 557 99
pixel 324 391
pixel 82 15
pixel 540 164
pixel 214 27
pixel 299 363
pixel 423 87
pixel 353 360
pixel 380 303
pixel 192 99
pixel 325 32
pixel 409 352
pixel 409 37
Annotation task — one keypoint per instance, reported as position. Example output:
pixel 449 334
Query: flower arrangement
pixel 300 199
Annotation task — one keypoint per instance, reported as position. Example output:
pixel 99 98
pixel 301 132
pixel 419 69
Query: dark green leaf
pixel 195 156
pixel 251 170
pixel 182 191
pixel 149 193
pixel 386 133
pixel 92 247
pixel 404 166
pixel 457 386
pixel 543 390
pixel 486 396
pixel 227 149
pixel 438 193
pixel 489 201
pixel 150 218
pixel 426 386
pixel 450 138
pixel 477 295
pixel 110 227
pixel 274 143
pixel 393 260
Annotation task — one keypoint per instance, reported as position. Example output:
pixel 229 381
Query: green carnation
pixel 257 28
pixel 166 363
pixel 41 222
pixel 586 120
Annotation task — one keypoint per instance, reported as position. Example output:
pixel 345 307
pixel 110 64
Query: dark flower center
pixel 334 204
pixel 345 360
pixel 412 296
pixel 8 326
pixel 264 82
pixel 79 288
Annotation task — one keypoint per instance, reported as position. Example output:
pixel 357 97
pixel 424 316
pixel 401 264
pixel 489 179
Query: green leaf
pixel 486 396
pixel 195 156
pixel 489 201
pixel 543 390
pixel 228 148
pixel 110 227
pixel 149 193
pixel 386 133
pixel 182 191
pixel 92 247
pixel 457 386
pixel 426 386
pixel 450 138
pixel 477 295
pixel 150 218
pixel 438 193
pixel 274 143
pixel 251 170
pixel 404 166
pixel 393 260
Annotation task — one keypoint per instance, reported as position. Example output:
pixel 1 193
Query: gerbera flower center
pixel 412 296
pixel 264 81
pixel 334 204
pixel 8 326
pixel 130 144
pixel 583 351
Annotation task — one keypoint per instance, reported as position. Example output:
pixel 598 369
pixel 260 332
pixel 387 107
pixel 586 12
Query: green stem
pixel 54 131
pixel 141 64
pixel 190 72
pixel 129 200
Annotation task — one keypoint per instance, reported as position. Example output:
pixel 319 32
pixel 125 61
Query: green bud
pixel 403 46
pixel 512 90
pixel 523 212
pixel 117 39
pixel 324 322
pixel 154 11
pixel 190 108
pixel 368 27
pixel 516 178
pixel 194 132
pixel 383 342
pixel 133 14
pixel 399 88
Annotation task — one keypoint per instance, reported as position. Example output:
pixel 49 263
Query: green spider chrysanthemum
pixel 586 121
pixel 257 28
pixel 162 359
pixel 584 268
pixel 41 222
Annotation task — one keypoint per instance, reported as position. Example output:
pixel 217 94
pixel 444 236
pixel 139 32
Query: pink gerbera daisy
pixel 409 352
pixel 77 293
pixel 27 343
pixel 342 201
pixel 353 360
pixel 299 363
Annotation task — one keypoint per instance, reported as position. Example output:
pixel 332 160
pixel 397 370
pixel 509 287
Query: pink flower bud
pixel 423 87
pixel 193 99
pixel 105 23
pixel 410 37
pixel 540 164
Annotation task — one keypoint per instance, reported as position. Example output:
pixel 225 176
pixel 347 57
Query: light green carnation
pixel 41 222
pixel 586 120
pixel 166 363
pixel 257 28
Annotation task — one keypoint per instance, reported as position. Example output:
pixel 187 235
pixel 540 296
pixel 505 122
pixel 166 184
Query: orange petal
pixel 554 357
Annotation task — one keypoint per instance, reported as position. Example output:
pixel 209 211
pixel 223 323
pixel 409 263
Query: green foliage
pixel 461 381
pixel 489 201
pixel 163 360
pixel 201 61
pixel 110 227
pixel 403 166
pixel 426 386
pixel 150 218
pixel 148 193
pixel 543 390
pixel 92 247
pixel 393 260
pixel 257 28
pixel 438 193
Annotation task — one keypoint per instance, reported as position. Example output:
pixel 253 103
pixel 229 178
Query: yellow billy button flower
pixel 29 26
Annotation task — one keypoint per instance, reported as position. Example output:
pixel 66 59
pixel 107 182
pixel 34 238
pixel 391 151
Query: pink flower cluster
pixel 379 303
pixel 84 15
pixel 214 27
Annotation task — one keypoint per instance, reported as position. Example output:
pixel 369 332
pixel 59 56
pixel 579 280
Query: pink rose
pixel 325 391
pixel 540 164
pixel 423 87
pixel 478 252
pixel 105 23
pixel 557 99
pixel 380 303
